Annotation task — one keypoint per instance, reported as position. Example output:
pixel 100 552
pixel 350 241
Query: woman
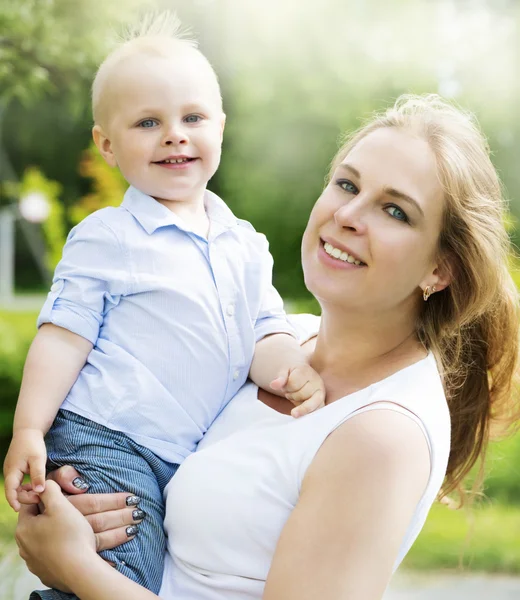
pixel 406 252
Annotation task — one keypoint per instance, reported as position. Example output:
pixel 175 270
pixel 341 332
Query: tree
pixel 47 46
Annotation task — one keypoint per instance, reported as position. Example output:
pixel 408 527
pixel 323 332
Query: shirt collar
pixel 152 214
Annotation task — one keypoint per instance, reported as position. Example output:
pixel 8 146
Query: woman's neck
pixel 354 351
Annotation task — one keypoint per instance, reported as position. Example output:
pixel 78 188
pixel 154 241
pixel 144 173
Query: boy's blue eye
pixel 397 213
pixel 147 123
pixel 348 186
pixel 193 118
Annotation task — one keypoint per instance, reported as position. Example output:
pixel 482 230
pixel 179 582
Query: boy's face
pixel 163 125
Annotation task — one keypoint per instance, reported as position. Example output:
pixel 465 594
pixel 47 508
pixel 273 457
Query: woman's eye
pixel 147 123
pixel 193 118
pixel 397 213
pixel 348 186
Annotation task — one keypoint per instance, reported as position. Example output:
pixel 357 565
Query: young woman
pixel 406 252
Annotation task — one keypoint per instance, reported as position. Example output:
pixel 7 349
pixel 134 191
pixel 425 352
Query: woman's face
pixel 372 235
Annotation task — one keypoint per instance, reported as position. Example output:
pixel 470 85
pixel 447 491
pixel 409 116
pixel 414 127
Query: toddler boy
pixel 159 308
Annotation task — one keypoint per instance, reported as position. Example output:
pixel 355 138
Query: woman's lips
pixel 335 263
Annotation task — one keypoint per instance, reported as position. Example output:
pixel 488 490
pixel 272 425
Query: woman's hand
pixel 55 542
pixel 113 517
pixel 59 547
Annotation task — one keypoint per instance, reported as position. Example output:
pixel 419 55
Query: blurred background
pixel 295 76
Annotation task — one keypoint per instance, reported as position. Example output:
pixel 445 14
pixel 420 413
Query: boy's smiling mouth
pixel 175 160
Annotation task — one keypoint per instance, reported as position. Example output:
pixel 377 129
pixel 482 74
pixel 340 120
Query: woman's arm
pixel 59 546
pixel 357 500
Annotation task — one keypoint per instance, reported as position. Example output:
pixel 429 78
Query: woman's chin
pixel 327 291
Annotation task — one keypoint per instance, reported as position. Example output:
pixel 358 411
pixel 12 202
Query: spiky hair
pixel 155 34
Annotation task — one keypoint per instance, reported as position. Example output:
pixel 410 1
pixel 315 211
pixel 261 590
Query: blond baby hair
pixel 155 34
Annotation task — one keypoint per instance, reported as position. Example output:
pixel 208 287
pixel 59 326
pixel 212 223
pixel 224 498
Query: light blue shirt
pixel 173 317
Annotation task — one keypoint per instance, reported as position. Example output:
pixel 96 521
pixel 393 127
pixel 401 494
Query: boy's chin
pixel 187 196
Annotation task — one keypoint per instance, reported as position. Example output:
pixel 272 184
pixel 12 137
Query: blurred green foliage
pixel 17 329
pixel 480 539
pixel 7 523
pixel 48 45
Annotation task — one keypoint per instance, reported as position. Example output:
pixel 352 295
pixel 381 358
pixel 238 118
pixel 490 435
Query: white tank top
pixel 229 501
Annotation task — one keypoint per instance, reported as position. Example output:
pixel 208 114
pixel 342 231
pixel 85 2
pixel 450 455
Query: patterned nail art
pixel 132 530
pixel 80 483
pixel 138 514
pixel 132 500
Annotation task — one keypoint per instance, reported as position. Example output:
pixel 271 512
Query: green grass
pixel 23 322
pixel 7 522
pixel 484 538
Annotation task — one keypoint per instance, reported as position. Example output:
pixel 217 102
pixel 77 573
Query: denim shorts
pixel 110 461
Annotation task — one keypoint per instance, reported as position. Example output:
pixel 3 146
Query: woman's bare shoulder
pixel 379 443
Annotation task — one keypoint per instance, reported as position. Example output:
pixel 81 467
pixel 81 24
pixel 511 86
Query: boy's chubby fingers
pixel 37 473
pixel 13 480
pixel 299 377
pixel 280 382
pixel 69 480
pixel 26 495
pixel 302 394
pixel 317 400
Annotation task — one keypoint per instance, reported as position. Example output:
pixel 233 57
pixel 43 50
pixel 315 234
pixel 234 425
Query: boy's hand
pixel 26 454
pixel 303 387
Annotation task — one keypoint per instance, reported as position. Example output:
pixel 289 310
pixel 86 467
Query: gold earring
pixel 428 291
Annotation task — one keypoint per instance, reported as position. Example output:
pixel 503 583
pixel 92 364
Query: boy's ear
pixel 222 125
pixel 103 145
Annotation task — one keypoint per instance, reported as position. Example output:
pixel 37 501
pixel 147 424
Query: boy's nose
pixel 174 137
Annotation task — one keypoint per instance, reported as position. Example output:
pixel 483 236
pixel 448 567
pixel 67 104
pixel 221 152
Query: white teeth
pixel 337 253
pixel 176 160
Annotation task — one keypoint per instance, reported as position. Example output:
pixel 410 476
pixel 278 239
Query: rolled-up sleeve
pixel 88 281
pixel 271 318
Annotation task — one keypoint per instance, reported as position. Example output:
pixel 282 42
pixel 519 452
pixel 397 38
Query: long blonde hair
pixel 472 325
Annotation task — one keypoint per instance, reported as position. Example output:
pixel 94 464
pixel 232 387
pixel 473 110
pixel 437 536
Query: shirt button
pixel 230 310
pixel 236 374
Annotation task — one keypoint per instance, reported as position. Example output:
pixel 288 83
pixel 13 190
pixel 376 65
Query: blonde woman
pixel 406 252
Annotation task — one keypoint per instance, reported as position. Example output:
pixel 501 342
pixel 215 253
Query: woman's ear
pixel 444 272
pixel 441 276
pixel 104 145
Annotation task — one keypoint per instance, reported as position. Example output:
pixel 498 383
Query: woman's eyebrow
pixel 405 197
pixel 351 169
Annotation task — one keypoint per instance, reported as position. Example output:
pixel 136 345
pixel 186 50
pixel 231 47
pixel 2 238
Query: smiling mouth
pixel 174 161
pixel 341 255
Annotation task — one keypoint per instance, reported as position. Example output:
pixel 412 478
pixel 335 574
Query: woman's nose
pixel 351 216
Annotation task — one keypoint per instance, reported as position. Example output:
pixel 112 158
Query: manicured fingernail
pixel 80 483
pixel 138 514
pixel 132 530
pixel 39 488
pixel 132 500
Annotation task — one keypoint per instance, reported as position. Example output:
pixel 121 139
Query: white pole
pixel 7 220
